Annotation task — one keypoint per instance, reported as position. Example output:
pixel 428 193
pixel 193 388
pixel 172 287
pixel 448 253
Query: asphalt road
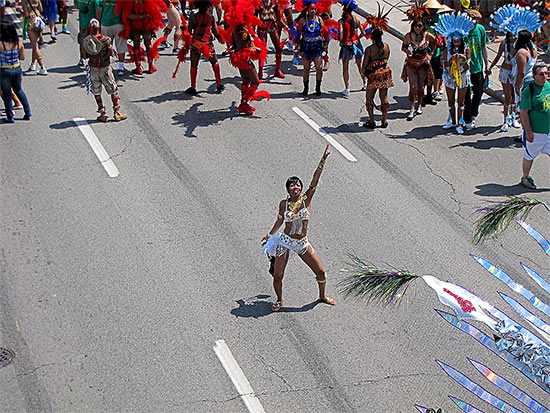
pixel 116 289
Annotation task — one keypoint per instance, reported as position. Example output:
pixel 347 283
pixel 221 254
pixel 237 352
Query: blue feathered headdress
pixel 454 25
pixel 502 18
pixel 525 19
pixel 349 4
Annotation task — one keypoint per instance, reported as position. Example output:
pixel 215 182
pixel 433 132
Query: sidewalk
pixel 399 26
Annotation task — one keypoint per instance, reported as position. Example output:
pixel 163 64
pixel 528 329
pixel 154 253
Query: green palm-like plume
pixel 375 284
pixel 496 217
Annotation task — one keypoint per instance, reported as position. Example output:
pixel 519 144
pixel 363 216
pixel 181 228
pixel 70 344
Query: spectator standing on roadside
pixel 98 50
pixel 50 14
pixel 477 43
pixel 87 10
pixel 35 26
pixel 62 9
pixel 11 75
pixel 435 9
pixel 111 26
pixel 535 118
pixel 453 4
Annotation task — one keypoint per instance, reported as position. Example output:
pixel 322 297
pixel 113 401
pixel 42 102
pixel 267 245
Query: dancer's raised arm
pixel 317 174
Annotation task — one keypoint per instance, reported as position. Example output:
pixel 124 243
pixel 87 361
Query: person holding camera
pixel 87 10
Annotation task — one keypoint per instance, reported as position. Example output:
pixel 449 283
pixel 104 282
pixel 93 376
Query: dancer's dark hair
pixel 524 42
pixel 8 32
pixel 376 36
pixel 293 180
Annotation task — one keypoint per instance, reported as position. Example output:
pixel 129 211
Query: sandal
pixel 328 300
pixel 277 305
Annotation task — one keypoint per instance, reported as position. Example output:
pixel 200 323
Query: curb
pixel 401 36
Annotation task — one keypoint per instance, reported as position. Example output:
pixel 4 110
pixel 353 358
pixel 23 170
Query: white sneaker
pixel 470 125
pixel 43 71
pixel 364 87
pixel 32 67
pixel 345 92
pixel 504 128
pixel 459 130
pixel 516 124
pixel 449 125
pixel 81 62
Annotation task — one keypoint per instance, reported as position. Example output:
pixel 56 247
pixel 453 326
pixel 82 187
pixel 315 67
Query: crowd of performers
pixel 444 49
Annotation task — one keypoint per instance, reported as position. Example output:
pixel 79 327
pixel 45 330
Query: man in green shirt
pixel 535 118
pixel 87 10
pixel 477 42
pixel 111 26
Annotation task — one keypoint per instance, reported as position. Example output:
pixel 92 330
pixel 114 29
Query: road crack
pixel 275 372
pixel 452 194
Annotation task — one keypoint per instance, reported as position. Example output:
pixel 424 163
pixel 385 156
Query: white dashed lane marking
pixel 334 143
pixel 97 147
pixel 238 378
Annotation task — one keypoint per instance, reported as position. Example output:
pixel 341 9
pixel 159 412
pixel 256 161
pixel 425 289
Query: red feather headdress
pixel 419 12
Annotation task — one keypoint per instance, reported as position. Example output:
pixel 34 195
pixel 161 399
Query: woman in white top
pixel 525 57
pixel 507 80
pixel 294 212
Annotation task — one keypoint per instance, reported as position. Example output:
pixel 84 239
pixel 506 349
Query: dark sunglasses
pixel 418 25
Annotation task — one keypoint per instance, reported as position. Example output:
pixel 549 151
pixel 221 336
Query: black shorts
pixel 437 67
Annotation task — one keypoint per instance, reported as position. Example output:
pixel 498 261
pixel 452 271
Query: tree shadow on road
pixel 501 190
pixel 193 118
pixel 258 306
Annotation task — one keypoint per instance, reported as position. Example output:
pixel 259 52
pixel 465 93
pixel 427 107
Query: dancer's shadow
pixel 234 80
pixel 66 69
pixel 258 306
pixel 166 97
pixel 501 190
pixel 423 132
pixel 504 141
pixel 63 125
pixel 193 118
pixel 74 81
pixel 354 127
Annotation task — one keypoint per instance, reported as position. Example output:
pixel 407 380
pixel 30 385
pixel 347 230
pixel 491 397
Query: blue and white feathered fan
pixel 525 19
pixel 454 24
pixel 502 18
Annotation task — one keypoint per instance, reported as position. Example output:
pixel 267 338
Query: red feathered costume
pixel 246 46
pixel 198 38
pixel 141 18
